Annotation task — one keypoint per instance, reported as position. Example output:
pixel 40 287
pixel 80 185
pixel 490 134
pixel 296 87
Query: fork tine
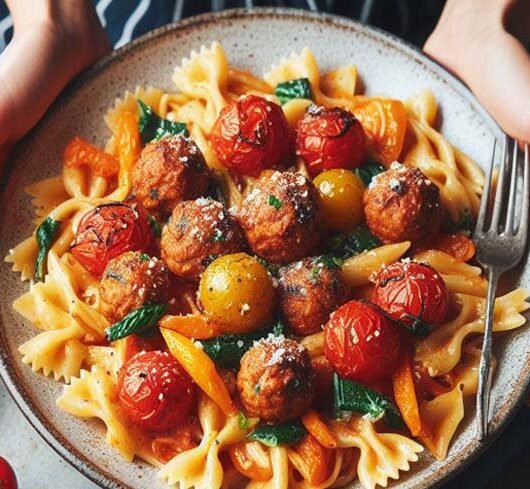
pixel 525 201
pixel 497 206
pixel 510 213
pixel 481 220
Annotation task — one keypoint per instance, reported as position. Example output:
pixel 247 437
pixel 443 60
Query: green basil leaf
pixel 153 127
pixel 227 350
pixel 286 434
pixel 155 226
pixel 138 321
pixel 350 396
pixel 368 171
pixel 292 89
pixel 45 236
pixel 344 246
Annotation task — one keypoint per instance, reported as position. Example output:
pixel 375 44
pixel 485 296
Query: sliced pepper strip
pixel 128 147
pixel 200 368
pixel 192 325
pixel 405 397
pixel 80 152
pixel 314 423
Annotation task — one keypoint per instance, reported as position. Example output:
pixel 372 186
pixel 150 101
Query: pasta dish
pixel 262 282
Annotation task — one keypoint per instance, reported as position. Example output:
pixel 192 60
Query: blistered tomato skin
pixel 330 138
pixel 8 479
pixel 154 391
pixel 109 230
pixel 251 135
pixel 361 343
pixel 412 294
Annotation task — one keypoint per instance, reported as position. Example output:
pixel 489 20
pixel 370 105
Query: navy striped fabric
pixel 409 19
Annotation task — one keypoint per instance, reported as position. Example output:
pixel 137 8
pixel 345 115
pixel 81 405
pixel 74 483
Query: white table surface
pixel 36 464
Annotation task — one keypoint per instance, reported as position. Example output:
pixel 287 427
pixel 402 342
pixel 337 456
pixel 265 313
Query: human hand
pixel 482 43
pixel 53 41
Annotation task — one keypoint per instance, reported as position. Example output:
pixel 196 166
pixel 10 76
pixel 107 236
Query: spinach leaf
pixel 45 236
pixel 344 246
pixel 137 321
pixel 153 127
pixel 227 350
pixel 368 171
pixel 288 434
pixel 350 396
pixel 289 90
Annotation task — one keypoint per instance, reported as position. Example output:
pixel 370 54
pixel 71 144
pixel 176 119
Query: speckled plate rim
pixel 17 390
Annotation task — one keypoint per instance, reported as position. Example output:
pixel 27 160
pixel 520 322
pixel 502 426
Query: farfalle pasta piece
pixel 382 455
pixel 22 257
pixel 242 82
pixel 204 76
pixel 440 352
pixel 92 396
pixel 460 278
pixel 46 195
pixel 280 471
pixel 107 358
pixel 442 415
pixel 57 352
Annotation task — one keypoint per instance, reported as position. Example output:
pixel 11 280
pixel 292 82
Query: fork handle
pixel 485 373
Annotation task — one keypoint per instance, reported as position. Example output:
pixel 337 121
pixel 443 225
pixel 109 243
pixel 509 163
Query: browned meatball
pixel 197 232
pixel 280 217
pixel 402 204
pixel 169 171
pixel 276 381
pixel 309 291
pixel 131 280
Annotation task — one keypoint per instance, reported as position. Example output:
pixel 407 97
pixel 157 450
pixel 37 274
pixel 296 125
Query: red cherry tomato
pixel 108 231
pixel 8 479
pixel 330 138
pixel 412 294
pixel 154 391
pixel 251 135
pixel 361 343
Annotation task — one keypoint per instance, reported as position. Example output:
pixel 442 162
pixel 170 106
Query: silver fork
pixel 500 243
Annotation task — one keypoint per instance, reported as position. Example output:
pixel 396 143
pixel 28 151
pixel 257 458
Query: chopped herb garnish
pixel 325 261
pixel 244 423
pixel 347 245
pixel 153 193
pixel 292 89
pixel 156 227
pixel 465 221
pixel 153 127
pixel 275 202
pixel 45 236
pixel 218 236
pixel 138 321
pixel 144 257
pixel 272 268
pixel 368 171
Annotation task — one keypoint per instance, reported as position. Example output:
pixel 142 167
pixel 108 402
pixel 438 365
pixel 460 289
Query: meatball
pixel 281 217
pixel 402 204
pixel 197 232
pixel 131 280
pixel 169 171
pixel 309 291
pixel 276 381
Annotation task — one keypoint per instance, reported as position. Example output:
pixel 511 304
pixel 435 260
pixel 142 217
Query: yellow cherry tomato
pixel 237 293
pixel 341 199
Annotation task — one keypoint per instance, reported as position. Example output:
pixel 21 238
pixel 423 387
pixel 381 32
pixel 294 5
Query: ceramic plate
pixel 253 40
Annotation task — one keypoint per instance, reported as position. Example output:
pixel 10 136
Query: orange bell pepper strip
pixel 128 147
pixel 405 397
pixel 314 461
pixel 80 152
pixel 201 369
pixel 194 326
pixel 315 425
pixel 385 123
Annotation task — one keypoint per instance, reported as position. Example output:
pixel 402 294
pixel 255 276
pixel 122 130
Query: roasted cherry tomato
pixel 341 199
pixel 251 135
pixel 8 479
pixel 330 138
pixel 108 231
pixel 154 391
pixel 412 294
pixel 361 343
